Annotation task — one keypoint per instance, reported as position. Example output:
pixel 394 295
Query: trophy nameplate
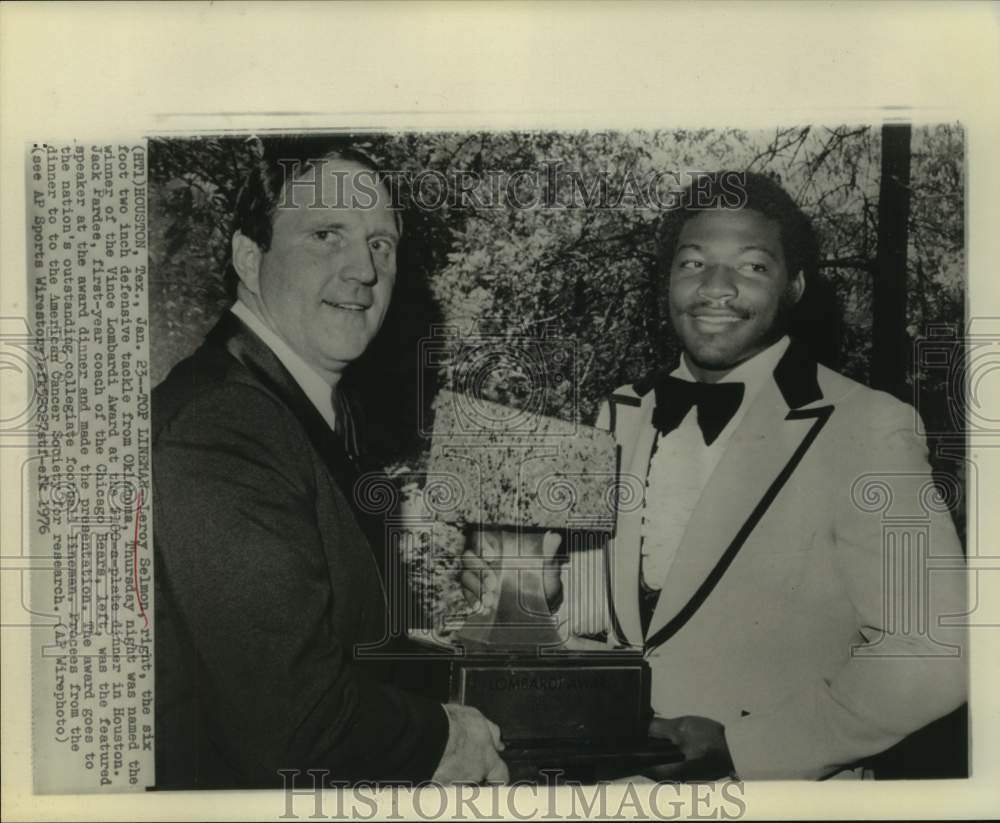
pixel 518 671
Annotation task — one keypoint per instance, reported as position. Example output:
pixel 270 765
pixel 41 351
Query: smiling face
pixel 729 289
pixel 325 283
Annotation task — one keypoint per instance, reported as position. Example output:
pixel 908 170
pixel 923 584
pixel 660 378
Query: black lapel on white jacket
pixel 796 378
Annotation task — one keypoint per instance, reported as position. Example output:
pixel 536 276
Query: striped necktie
pixel 346 424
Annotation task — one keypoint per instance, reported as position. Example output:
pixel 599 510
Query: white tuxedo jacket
pixel 816 603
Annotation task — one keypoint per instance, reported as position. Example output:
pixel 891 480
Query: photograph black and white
pixel 739 309
pixel 498 410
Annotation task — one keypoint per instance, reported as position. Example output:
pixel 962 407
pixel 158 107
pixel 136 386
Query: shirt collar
pixel 315 386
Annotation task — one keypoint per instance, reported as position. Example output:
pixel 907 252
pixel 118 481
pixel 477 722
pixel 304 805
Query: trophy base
pixel 561 696
pixel 584 714
pixel 587 760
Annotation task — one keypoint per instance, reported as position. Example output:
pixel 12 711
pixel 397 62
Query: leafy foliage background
pixel 585 278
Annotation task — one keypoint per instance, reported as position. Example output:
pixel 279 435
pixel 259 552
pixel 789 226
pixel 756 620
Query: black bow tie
pixel 716 402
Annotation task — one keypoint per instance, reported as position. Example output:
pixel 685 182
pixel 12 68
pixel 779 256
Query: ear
pixel 246 260
pixel 797 287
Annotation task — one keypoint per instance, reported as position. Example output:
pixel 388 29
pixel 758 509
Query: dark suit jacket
pixel 265 584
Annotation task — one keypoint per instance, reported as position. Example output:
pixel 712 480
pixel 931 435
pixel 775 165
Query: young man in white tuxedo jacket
pixel 789 634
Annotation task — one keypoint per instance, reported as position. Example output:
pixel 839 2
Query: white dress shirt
pixel 315 386
pixel 681 465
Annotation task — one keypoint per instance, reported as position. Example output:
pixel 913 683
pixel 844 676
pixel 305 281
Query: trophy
pixel 561 702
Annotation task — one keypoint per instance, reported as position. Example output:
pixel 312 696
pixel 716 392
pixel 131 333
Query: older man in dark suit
pixel 265 581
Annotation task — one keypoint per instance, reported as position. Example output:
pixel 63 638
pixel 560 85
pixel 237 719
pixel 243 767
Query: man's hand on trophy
pixel 480 577
pixel 701 740
pixel 472 752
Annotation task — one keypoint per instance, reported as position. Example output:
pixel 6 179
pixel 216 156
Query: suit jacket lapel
pixel 635 434
pixel 252 352
pixel 763 452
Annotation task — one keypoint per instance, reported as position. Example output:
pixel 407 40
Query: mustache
pixel 709 307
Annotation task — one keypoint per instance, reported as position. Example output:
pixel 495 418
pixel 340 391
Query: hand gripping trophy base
pixel 585 713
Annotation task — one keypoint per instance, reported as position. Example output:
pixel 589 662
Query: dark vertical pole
pixel 890 343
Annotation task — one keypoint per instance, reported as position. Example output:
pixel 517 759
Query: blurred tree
pixel 575 271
